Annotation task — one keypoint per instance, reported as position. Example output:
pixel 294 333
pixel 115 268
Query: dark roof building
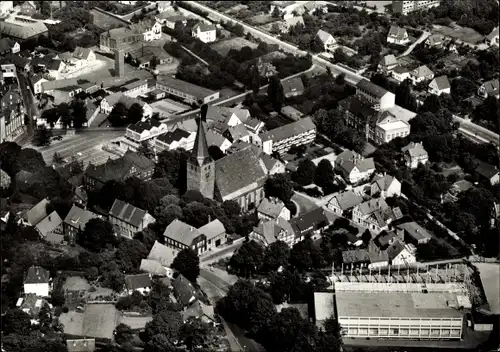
pixel 293 87
pixel 184 290
pixel 37 275
pixel 309 222
pixel 139 281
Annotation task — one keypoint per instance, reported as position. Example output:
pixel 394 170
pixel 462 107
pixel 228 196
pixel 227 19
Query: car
pixel 79 154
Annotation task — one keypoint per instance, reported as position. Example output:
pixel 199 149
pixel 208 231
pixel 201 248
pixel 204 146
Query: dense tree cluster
pixel 73 114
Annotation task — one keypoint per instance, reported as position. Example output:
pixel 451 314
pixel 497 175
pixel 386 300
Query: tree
pixel 42 136
pixel 165 322
pixel 305 172
pixel 123 334
pixel 275 93
pixel 155 116
pixel 79 113
pixel 276 255
pixel 247 260
pixel 92 273
pixel 305 255
pixel 63 113
pixel 160 343
pixel 340 79
pixel 279 186
pixel 187 263
pixel 255 80
pixel 404 97
pixel 194 333
pixel 135 113
pixel 366 237
pixel 118 115
pixel 97 235
pixel 276 12
pixel 16 321
pixel 215 152
pixel 45 315
pixel 112 277
pixel 154 62
pixel 146 150
pixel 51 116
pixel 130 253
pixel 324 175
pixel 57 158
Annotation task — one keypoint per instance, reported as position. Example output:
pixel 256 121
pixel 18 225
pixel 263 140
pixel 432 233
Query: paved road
pixel 29 101
pixel 223 287
pixel 423 37
pixel 480 132
pixel 227 251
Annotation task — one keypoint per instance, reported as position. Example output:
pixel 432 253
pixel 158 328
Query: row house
pixel 272 209
pixel 281 139
pixel 143 131
pixel 374 215
pixel 343 202
pixel 128 219
pixel 269 231
pixel 405 7
pixel 309 224
pixel 190 93
pixel 175 139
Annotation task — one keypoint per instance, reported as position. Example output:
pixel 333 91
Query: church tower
pixel 200 166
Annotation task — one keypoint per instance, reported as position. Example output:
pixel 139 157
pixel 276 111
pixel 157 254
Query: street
pixel 28 99
pixel 225 252
pixel 472 129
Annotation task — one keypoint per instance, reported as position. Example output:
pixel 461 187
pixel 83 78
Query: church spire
pixel 200 149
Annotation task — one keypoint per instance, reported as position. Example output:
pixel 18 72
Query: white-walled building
pixel 385 186
pixel 414 154
pixel 440 85
pixel 271 209
pixel 421 73
pixel 398 35
pixel 329 42
pixel 140 282
pixel 380 98
pixel 175 139
pixel 37 281
pixel 205 32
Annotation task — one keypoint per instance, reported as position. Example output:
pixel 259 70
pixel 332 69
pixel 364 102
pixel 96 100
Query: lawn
pixel 260 20
pixel 465 34
pixel 100 320
pixel 237 43
pixel 137 322
pixel 76 283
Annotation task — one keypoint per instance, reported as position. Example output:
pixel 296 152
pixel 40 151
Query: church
pixel 239 176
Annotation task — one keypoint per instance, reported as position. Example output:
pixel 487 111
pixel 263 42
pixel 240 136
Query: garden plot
pixel 224 46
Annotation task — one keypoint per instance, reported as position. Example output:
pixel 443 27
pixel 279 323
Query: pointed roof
pixel 200 149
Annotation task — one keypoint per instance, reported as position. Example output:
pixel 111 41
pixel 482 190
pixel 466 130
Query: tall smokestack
pixel 119 64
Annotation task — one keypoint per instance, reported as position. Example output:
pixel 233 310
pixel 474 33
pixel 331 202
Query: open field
pixel 76 283
pixel 100 320
pixel 73 322
pixel 168 107
pixel 224 46
pixel 261 19
pixel 464 34
pixel 137 322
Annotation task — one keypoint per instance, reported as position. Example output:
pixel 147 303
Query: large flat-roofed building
pixel 405 7
pixel 191 93
pixel 399 315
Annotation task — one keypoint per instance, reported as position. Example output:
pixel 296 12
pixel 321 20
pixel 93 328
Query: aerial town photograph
pixel 250 176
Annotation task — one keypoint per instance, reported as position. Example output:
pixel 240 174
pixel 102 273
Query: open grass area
pixel 76 283
pixel 100 320
pixel 237 43
pixel 135 322
pixel 465 34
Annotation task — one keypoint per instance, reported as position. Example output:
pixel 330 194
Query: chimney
pixel 203 112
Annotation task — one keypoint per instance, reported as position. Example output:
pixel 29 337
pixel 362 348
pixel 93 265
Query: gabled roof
pixel 371 88
pixel 238 172
pixel 441 82
pixel 397 32
pixel 348 160
pixel 173 136
pixel 310 221
pixel 394 249
pixel 135 282
pixel 204 27
pixel 198 309
pixel 266 229
pixel 493 34
pixel 162 254
pixel 184 290
pixel 54 65
pixel 377 256
pixel 289 130
pixel 128 213
pixel 37 275
pixel 422 71
pixel 323 36
pixel 347 199
pixel 415 230
pixel 415 150
pixel 49 224
pixel 383 182
pixel 269 161
pixel 491 87
pixel 271 207
pixel 22 31
pixel 435 39
pixel 293 85
pixel 181 232
pixel 58 84
pixel 81 345
pixel 153 267
pixel 487 170
pixel 77 217
pixel 389 60
pixel 82 53
pixel 372 206
pixel 212 229
pixel 6 44
pixel 37 213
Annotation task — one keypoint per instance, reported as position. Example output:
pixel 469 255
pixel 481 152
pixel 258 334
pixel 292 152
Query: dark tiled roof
pixel 172 136
pixel 415 230
pixel 289 130
pixel 181 232
pixel 184 290
pixel 37 213
pixel 397 32
pixel 204 27
pixel 491 87
pixel 372 88
pixel 6 44
pixel 237 171
pixel 49 224
pixel 394 249
pixel 186 87
pixel 487 170
pixel 119 169
pixel 310 221
pixel 134 282
pixel 162 254
pixel 82 53
pixel 348 199
pixel 293 85
pixel 77 217
pixel 37 275
pixel 127 213
pixel 359 108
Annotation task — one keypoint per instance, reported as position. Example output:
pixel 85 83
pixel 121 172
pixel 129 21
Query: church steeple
pixel 200 149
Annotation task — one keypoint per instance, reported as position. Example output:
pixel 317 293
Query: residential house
pixel 205 32
pixel 343 202
pixel 489 89
pixel 9 46
pixel 214 233
pixel 401 254
pixel 51 229
pixel 84 54
pixel 184 291
pixel 145 55
pixel 309 224
pixel 414 154
pixel 49 86
pixel 150 29
pixel 281 139
pixel 127 219
pixel 8 69
pixel 65 95
pixel 171 21
pixel 143 131
pixel 220 118
pixel 414 233
pixel 37 282
pixel 164 6
pixel 378 258
pixel 488 172
pixel 355 259
pixel 186 91
pixel 270 231
pixel 401 73
pixel 378 97
pixel 435 40
pixel 5 180
pixel 75 222
pixel 293 87
pixel 329 42
pixel 81 345
pixel 421 73
pixel 291 22
pixel 353 167
pixel 292 113
pixel 440 85
pixel 179 235
pixel 36 214
pixel 129 165
pixel 31 305
pixel 108 103
pixel 216 139
pixel 272 209
pixel 175 139
pixel 201 311
pixel 388 63
pixel 22 30
pixel 164 256
pixel 385 186
pixel 374 215
pixel 273 166
pixel 405 7
pixel 28 8
pixel 492 38
pixel 236 133
pixel 140 282
pixel 55 68
pixel 398 35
